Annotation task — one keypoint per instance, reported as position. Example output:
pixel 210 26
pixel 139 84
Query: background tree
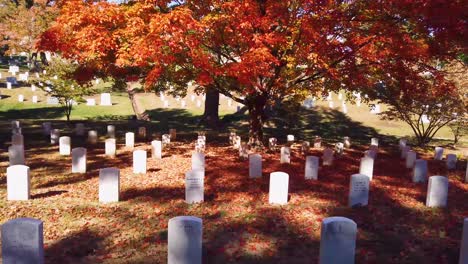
pixel 261 52
pixel 62 81
pixel 22 22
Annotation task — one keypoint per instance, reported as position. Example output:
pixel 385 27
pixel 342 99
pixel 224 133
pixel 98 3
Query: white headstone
pixel 92 136
pixel 367 167
pixel 8 84
pixel 17 139
pixel 437 191
pixel 347 142
pixel 198 161
pixel 439 153
pixel 311 168
pixel 317 142
pixel 78 160
pixel 111 131
pixel 129 139
pixel 16 155
pixel 20 98
pixel 194 186
pixel 166 139
pixel 420 171
pixel 184 240
pixel 285 155
pixel 404 151
pixel 451 161
pixel 279 185
pixel 110 147
pixel 359 190
pixel 338 241
pixel 463 259
pixel 173 133
pixel 47 128
pixel 34 99
pixel 410 159
pixel 375 141
pixel 64 146
pixel 18 183
pixel 106 99
pixel 109 185
pixel 327 157
pixel 79 129
pixel 290 138
pixel 139 161
pixel 339 148
pixel 156 149
pixel 91 102
pixel 255 166
pixel 402 143
pixel 23 241
pixel 54 136
pixel 272 143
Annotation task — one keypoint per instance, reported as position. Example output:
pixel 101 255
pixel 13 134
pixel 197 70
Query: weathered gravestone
pixel 18 183
pixel 279 185
pixel 92 136
pixel 367 167
pixel 110 148
pixel 339 148
pixel 142 132
pixel 438 153
pixel 410 159
pixel 111 131
pixel 437 191
pixel 232 138
pixel 64 146
pixel 90 102
pixel 198 161
pixel 54 136
pixel 156 149
pixel 166 139
pixel 16 155
pixel 255 166
pixel 285 155
pixel 420 171
pixel 244 151
pixel 184 240
pixel 194 186
pixel 129 139
pixel 338 240
pixel 139 161
pixel 374 142
pixel 402 143
pixel 327 157
pixel 78 160
pixel 359 190
pixel 109 185
pixel 23 241
pixel 311 168
pixel 451 161
pixel 463 259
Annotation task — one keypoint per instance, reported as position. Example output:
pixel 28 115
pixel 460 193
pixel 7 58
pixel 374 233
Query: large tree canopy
pixel 258 51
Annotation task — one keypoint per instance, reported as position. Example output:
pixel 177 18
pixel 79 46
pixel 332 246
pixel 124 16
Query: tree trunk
pixel 211 115
pixel 256 107
pixel 140 115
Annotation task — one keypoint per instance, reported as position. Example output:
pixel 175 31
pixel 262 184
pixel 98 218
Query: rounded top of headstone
pixel 335 219
pixel 24 220
pixel 129 133
pixel 81 149
pixel 112 169
pixel 139 151
pixel 359 176
pixel 186 219
pixel 110 140
pixel 19 166
pixel 279 174
pixel 438 178
pixel 196 172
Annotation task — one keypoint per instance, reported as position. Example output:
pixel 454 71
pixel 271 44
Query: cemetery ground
pixel 239 226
